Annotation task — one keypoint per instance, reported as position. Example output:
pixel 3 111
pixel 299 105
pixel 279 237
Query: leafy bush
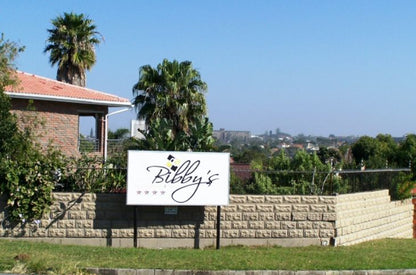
pixel 28 183
pixel 27 171
pixel 306 174
pixel 90 174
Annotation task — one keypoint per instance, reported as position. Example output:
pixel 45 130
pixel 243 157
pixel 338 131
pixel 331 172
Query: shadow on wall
pixel 112 214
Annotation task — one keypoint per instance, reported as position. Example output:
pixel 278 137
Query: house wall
pixel 59 122
pixel 104 219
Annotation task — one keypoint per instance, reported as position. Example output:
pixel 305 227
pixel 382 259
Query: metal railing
pixel 87 144
pixel 397 180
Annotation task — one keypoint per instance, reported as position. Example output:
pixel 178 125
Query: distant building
pixel 312 147
pixel 225 136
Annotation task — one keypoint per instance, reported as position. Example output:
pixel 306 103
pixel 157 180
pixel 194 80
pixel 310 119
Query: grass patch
pixel 68 259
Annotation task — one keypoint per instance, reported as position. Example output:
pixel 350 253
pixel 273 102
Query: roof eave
pixel 69 99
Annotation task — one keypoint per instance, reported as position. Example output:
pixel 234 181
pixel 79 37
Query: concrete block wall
pixel 277 220
pixel 372 215
pixel 104 219
pixel 414 217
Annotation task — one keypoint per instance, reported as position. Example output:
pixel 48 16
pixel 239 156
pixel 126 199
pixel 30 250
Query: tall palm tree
pixel 71 45
pixel 173 92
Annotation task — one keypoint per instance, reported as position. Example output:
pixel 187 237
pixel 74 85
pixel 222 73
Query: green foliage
pixel 170 98
pixel 161 137
pixel 89 174
pixel 262 183
pixel 305 174
pixel 282 175
pixel 26 174
pixel 71 45
pixel 406 154
pixel 247 154
pixel 119 133
pixel 237 185
pixel 87 144
pixel 379 152
pixel 8 53
pixel 324 172
pixel 200 137
pixel 10 141
pixel 28 183
pixel 330 155
pixel 402 186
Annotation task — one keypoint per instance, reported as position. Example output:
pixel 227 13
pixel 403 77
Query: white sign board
pixel 177 178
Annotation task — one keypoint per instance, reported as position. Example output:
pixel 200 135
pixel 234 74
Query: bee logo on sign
pixel 177 178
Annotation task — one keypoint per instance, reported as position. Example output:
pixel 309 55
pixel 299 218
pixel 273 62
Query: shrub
pixel 28 184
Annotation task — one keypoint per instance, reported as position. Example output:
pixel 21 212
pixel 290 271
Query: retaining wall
pixel 104 219
pixel 371 215
pixel 414 217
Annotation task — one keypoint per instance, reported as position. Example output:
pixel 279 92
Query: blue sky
pixel 310 67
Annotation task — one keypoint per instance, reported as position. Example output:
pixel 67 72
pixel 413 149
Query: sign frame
pixel 177 178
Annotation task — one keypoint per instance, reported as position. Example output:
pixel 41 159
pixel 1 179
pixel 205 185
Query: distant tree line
pixel 331 170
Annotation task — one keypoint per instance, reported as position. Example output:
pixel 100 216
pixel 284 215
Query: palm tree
pixel 71 45
pixel 173 91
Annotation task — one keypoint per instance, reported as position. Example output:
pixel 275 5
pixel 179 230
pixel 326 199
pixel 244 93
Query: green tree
pixel 71 45
pixel 26 172
pixel 262 183
pixel 407 152
pixel 329 155
pixel 10 140
pixel 302 162
pixel 170 98
pixel 119 133
pixel 363 149
pixel 281 161
pixel 379 152
pixel 387 150
pixel 9 50
pixel 247 154
pixel 280 164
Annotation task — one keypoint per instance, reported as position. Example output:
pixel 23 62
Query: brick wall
pixel 104 219
pixel 60 122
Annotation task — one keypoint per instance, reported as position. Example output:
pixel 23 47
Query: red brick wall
pixel 59 122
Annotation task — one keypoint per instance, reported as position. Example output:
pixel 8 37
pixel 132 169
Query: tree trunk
pixel 71 76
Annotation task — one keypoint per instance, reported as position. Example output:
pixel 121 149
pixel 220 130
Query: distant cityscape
pixel 277 139
pixel 284 140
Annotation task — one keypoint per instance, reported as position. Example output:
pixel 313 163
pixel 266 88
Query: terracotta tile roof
pixel 36 87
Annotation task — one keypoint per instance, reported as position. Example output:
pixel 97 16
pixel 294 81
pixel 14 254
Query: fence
pixel 397 181
pixel 88 144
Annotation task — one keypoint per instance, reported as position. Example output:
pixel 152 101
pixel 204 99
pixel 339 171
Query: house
pixel 58 107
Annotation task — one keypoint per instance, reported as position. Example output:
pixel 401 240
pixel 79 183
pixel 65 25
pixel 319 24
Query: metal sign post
pixel 218 226
pixel 135 228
